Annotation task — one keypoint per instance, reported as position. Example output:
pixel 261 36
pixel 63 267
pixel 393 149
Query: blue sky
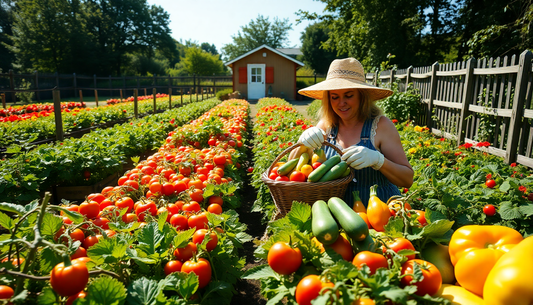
pixel 215 21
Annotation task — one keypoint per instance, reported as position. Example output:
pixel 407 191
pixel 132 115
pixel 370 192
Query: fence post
pixel 74 84
pixel 522 79
pixel 37 93
pixel 81 96
pixel 57 115
pixel 135 103
pixel 432 94
pixel 181 93
pixel 155 102
pixel 169 92
pixel 145 94
pixel 392 73
pixel 3 97
pixel 96 97
pixel 468 91
pixel 12 86
pixel 202 90
pixel 408 77
pixel 121 96
pixel 57 79
pixel 94 79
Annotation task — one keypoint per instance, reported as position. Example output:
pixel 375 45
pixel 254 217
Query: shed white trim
pixel 268 48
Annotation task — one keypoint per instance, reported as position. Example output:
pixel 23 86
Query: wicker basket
pixel 285 192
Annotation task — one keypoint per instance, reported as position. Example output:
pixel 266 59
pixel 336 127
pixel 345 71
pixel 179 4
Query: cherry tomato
pixel 89 209
pixel 374 261
pixel 197 195
pixel 297 176
pixel 421 218
pixel 308 289
pixel 89 241
pixel 186 252
pixel 216 199
pixel 179 222
pixel 80 252
pixel 77 235
pixel 6 292
pixel 489 210
pixel 173 266
pixel 284 259
pixel 125 203
pixel 69 280
pixel 490 183
pixel 201 268
pixel 145 207
pixel 72 298
pixel 431 282
pixel 198 221
pixel 192 206
pixel 199 236
pixel 401 243
pixel 215 208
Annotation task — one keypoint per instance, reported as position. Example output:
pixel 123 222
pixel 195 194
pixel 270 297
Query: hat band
pixel 345 74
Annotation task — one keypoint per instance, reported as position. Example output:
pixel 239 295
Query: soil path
pixel 249 291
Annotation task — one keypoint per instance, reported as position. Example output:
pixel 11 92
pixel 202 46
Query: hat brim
pixel 316 91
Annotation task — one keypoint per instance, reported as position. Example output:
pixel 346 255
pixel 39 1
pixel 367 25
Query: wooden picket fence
pixel 475 101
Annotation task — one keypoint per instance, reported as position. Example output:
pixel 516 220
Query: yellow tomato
pixel 306 169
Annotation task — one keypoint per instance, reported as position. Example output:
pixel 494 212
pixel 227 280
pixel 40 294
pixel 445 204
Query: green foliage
pixel 200 62
pixel 257 33
pixel 402 106
pixel 313 108
pixel 223 94
pixel 315 55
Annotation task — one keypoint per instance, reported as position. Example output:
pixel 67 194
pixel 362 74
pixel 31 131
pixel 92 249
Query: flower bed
pixel 133 233
pixel 21 113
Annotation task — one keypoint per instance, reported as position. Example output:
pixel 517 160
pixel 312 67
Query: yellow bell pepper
pixel 458 295
pixel 511 280
pixel 475 249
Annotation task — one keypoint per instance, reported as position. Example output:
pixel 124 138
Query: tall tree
pixel 211 48
pixel 257 33
pixel 314 53
pixel 7 8
pixel 200 62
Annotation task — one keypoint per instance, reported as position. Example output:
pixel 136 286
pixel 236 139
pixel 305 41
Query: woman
pixel 351 120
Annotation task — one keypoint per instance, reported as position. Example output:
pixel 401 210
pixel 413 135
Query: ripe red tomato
pixel 273 176
pixel 101 222
pixel 431 282
pixel 145 207
pixel 77 234
pixel 192 206
pixel 186 252
pixel 316 165
pixel 179 222
pixel 489 210
pixel 86 174
pixel 89 241
pixel 168 189
pixel 250 169
pixel 96 197
pixel 131 185
pixel 421 218
pixel 173 266
pixel 89 209
pixel 490 183
pixel 282 178
pixel 219 160
pixel 371 259
pixel 284 259
pixel 69 280
pixel 180 186
pixel 197 195
pixel 297 176
pixel 6 292
pixel 80 252
pixel 201 268
pixel 216 199
pixel 125 203
pixel 215 208
pixel 401 243
pixel 198 221
pixel 309 288
pixel 105 203
pixel 72 298
pixel 199 236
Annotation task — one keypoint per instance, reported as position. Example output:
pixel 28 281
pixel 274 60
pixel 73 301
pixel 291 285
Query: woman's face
pixel 345 103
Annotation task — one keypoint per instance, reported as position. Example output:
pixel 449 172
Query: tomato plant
pixel 199 236
pixel 6 292
pixel 283 258
pixel 374 261
pixel 201 268
pixel 489 210
pixel 173 266
pixel 490 183
pixel 308 289
pixel 431 281
pixel 69 278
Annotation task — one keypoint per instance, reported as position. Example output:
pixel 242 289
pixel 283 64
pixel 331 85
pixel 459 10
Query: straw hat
pixel 345 73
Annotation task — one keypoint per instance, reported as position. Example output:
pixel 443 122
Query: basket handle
pixel 296 145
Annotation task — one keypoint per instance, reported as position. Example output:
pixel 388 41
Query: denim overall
pixel 366 177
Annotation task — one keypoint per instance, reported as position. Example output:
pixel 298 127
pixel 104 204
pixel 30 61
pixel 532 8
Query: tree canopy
pixel 257 33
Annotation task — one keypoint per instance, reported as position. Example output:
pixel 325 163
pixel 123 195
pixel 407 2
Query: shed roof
pixel 229 63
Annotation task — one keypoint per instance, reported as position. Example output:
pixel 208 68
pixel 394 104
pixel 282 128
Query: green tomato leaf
pixel 183 237
pixel 508 211
pixel 6 221
pixel 105 291
pixel 13 208
pixel 48 297
pixel 300 214
pixel 394 228
pixel 51 224
pixel 186 284
pixel 505 186
pixel 109 250
pixel 48 259
pixel 74 216
pixel 260 272
pixel 162 219
pixel 217 292
pixel 150 238
pixel 527 210
pixel 145 292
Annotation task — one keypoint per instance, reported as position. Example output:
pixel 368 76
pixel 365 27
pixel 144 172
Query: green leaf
pixel 508 211
pixel 183 237
pixel 260 272
pixel 74 216
pixel 344 270
pixel 395 294
pixel 505 187
pixel 186 284
pixel 6 221
pixel 162 219
pixel 214 219
pixel 437 228
pixel 19 298
pixel 105 291
pixel 51 224
pixel 144 292
pixel 300 213
pixel 109 250
pixel 14 149
pixel 13 208
pixel 394 228
pixel 278 297
pixel 48 260
pixel 150 238
pixel 527 210
pixel 47 297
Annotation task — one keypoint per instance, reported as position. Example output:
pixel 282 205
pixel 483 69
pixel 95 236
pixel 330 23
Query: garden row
pixel 89 159
pixel 410 249
pixel 167 234
pixel 24 112
pixel 43 127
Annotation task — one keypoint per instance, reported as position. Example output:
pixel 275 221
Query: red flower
pixel 513 164
pixel 489 176
pixel 442 139
pixel 395 121
pixel 466 145
pixel 522 189
pixel 483 144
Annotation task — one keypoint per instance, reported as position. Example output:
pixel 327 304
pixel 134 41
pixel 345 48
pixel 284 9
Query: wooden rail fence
pixel 475 101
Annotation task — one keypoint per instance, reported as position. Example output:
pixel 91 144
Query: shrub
pixel 402 106
pixel 224 94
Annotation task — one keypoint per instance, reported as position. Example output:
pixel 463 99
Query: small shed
pixel 263 72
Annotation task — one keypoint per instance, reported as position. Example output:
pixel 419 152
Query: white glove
pixel 312 137
pixel 360 157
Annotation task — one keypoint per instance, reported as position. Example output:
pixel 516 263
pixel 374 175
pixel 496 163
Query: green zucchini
pixel 335 172
pixel 349 220
pixel 323 224
pixel 366 244
pixel 323 169
pixel 287 167
pixel 346 172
